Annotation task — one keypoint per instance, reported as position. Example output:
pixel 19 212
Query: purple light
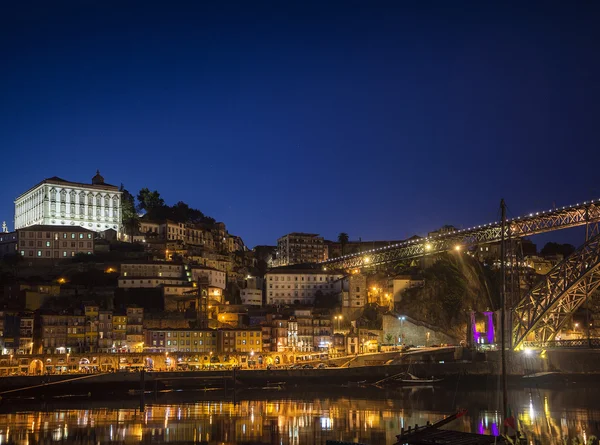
pixel 481 428
pixel 490 327
pixel 495 431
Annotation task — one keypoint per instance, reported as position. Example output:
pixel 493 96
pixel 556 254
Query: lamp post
pixel 401 318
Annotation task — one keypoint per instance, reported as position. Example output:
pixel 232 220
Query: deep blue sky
pixel 378 119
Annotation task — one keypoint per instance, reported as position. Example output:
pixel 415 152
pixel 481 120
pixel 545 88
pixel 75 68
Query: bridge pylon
pixel 543 311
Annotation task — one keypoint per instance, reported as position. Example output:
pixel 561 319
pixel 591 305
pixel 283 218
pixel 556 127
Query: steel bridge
pixel 540 315
pixel 543 311
pixel 586 213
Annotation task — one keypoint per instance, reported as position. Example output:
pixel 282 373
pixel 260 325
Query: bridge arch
pixel 540 315
pixel 36 367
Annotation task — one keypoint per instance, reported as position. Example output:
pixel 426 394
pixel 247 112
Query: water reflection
pixel 369 417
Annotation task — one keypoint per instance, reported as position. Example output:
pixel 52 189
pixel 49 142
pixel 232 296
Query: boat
pixel 407 379
pixel 271 386
pixel 359 384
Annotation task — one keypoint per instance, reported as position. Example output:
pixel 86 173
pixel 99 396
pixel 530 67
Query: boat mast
pixel 503 313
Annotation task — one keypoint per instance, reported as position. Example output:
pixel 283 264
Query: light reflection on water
pixel 546 416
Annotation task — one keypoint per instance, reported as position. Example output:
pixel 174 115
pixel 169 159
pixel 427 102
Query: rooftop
pixel 50 228
pixel 60 181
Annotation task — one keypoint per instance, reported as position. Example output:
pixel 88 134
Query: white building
pixel 216 278
pixel 286 285
pixel 56 202
pixel 251 297
pixel 153 274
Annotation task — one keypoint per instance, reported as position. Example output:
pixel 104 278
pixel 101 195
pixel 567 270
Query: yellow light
pixel 374 289
pixel 427 246
pixel 457 247
pixel 367 259
pixel 62 280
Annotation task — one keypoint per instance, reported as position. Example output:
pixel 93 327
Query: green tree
pixel 131 220
pixel 554 248
pixel 148 200
pixel 343 239
pixel 389 338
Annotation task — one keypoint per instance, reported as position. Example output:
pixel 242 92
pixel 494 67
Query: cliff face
pixel 454 286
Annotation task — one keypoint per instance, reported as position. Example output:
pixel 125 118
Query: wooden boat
pixel 408 379
pixel 271 386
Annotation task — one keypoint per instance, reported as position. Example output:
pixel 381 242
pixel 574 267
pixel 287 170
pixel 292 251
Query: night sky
pixel 378 119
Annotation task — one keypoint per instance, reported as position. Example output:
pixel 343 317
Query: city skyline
pixel 272 121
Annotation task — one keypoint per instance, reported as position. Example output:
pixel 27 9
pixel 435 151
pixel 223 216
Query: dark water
pixel 297 416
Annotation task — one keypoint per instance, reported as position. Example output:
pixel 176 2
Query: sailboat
pixel 431 434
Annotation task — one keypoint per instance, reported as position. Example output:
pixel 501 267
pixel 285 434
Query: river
pixel 296 416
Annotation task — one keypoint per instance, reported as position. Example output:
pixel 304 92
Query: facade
pixel 357 293
pixel 241 340
pixel 213 237
pixel 402 283
pixel 300 286
pixel 57 202
pixel 251 297
pixel 93 331
pixel 182 340
pixel 53 242
pixel 29 296
pixel 299 248
pixel 16 332
pixel 8 243
pixel 135 329
pixel 154 274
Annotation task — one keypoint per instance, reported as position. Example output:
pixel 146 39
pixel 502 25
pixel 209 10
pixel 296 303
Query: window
pixel 81 236
pixel 72 236
pixel 39 253
pixel 47 243
pixel 64 235
pixel 89 236
pixel 64 253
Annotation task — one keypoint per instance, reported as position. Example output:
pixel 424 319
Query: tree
pixel 148 200
pixel 389 338
pixel 131 220
pixel 554 248
pixel 343 239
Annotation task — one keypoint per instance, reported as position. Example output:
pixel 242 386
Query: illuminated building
pixel 299 248
pixel 57 202
pixel 291 285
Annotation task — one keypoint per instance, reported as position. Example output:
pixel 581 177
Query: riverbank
pixel 469 374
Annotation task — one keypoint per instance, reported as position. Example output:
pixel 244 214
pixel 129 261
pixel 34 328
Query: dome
pixel 98 179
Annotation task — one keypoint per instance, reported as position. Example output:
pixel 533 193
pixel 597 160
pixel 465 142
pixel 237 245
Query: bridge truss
pixel 587 213
pixel 539 316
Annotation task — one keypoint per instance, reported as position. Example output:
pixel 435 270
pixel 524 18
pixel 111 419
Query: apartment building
pixel 240 340
pixel 16 332
pixel 53 242
pixel 181 340
pixel 289 285
pixel 251 297
pixel 300 248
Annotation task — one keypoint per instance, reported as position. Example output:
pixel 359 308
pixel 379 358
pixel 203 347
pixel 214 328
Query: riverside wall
pixel 483 368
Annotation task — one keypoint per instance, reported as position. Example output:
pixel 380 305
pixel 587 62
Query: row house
pixel 181 340
pixel 214 238
pixel 95 331
pixel 16 332
pixel 240 340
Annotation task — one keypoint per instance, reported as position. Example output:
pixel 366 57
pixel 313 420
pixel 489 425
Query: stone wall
pixel 412 332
